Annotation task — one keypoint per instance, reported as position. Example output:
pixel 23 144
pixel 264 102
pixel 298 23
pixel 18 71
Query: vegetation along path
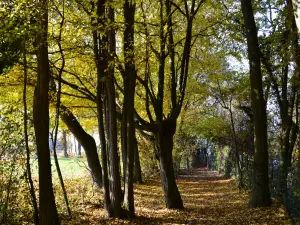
pixel 208 199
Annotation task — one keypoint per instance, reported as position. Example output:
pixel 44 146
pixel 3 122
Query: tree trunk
pixel 137 175
pixel 79 149
pixel 187 163
pixel 128 123
pixel 284 168
pixel 228 164
pixel 115 182
pixel 65 146
pixel 260 188
pixel 47 208
pixel 87 142
pixel 111 124
pixel 237 156
pixel 100 42
pixel 104 49
pixel 289 106
pixel 165 146
pixel 296 10
pixel 163 142
pixel 75 149
pixel 103 156
pixel 124 132
pixel 28 166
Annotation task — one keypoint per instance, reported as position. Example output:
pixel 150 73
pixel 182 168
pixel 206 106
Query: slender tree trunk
pixel 104 160
pixel 284 169
pixel 137 165
pixel 60 177
pixel 58 103
pixel 79 149
pixel 124 132
pixel 75 149
pixel 87 142
pixel 237 158
pixel 28 168
pixel 222 163
pixel 260 188
pixel 65 146
pixel 187 163
pixel 47 208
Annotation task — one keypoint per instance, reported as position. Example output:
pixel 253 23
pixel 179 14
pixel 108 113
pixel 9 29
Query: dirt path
pixel 208 199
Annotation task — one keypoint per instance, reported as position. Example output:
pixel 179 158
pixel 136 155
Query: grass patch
pixel 71 168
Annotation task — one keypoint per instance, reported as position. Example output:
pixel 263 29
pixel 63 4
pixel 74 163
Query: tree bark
pixel 111 124
pixel 128 123
pixel 260 188
pixel 124 132
pixel 137 175
pixel 79 149
pixel 47 208
pixel 165 146
pixel 87 142
pixel 104 159
pixel 100 43
pixel 65 147
pixel 166 127
pixel 115 182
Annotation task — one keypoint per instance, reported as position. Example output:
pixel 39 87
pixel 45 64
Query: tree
pixel 260 188
pixel 111 120
pixel 47 207
pixel 128 127
pixel 163 127
pixel 65 145
pixel 86 141
pixel 225 94
pixel 285 83
pixel 296 10
pixel 28 166
pixel 137 173
pixel 79 149
pixel 104 42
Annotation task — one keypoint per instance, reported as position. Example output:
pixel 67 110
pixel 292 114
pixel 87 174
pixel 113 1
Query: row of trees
pixel 139 66
pixel 272 41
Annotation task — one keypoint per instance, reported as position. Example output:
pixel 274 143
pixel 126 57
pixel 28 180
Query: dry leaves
pixel 208 199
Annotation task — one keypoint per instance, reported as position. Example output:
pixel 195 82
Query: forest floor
pixel 208 199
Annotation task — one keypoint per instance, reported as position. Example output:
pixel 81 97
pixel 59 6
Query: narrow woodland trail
pixel 208 199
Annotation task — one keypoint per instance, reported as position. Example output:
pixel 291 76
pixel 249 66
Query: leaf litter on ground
pixel 208 199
